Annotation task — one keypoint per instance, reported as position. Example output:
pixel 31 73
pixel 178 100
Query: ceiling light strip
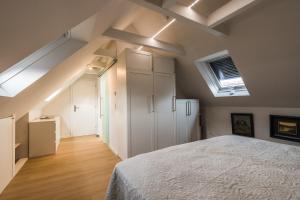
pixel 193 4
pixel 159 32
pixel 54 94
pixel 163 28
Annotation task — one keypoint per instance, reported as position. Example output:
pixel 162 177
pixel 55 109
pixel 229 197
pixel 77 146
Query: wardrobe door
pixel 163 65
pixel 193 120
pixel 182 130
pixel 164 98
pixel 140 113
pixel 139 61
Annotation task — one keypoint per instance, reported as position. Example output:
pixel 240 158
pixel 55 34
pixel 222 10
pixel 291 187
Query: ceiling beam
pixel 180 13
pixel 105 52
pixel 144 41
pixel 168 3
pixel 228 11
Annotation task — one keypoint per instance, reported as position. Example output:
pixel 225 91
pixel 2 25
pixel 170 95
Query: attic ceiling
pixel 205 7
pixel 263 41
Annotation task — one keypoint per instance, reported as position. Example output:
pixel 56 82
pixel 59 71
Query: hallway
pixel 79 171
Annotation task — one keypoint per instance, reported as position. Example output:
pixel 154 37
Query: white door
pixel 84 105
pixel 141 116
pixel 182 127
pixel 164 98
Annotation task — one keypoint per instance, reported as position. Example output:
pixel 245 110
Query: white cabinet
pixel 7 151
pixel 163 65
pixel 187 120
pixel 9 166
pixel 138 61
pixel 44 137
pixel 146 102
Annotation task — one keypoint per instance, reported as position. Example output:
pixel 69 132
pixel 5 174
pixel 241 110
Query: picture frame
pixel 242 124
pixel 285 127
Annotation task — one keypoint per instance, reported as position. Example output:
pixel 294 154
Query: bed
pixel 225 167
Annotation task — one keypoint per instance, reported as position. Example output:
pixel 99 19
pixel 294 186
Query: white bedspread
pixel 226 167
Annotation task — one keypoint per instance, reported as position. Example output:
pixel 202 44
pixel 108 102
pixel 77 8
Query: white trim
pixel 29 60
pixel 23 76
pixel 212 82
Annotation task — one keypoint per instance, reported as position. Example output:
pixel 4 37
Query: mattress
pixel 226 167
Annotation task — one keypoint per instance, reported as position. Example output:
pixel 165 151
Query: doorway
pixel 84 106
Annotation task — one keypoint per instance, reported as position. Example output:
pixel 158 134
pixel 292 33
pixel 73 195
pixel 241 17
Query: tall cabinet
pixel 188 120
pixel 146 102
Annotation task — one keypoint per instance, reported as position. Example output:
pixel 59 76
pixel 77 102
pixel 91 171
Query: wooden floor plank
pixel 80 170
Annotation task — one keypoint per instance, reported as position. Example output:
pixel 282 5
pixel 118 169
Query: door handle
pixel 75 108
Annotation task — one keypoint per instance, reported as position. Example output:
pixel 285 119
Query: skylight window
pixel 33 67
pixel 221 75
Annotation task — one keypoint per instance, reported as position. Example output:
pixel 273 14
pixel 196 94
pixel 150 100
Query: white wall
pixel 34 114
pixel 61 106
pixel 218 120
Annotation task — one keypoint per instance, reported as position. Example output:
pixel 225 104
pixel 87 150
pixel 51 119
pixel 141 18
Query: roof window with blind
pixel 221 75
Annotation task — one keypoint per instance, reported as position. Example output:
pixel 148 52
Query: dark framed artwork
pixel 242 124
pixel 285 127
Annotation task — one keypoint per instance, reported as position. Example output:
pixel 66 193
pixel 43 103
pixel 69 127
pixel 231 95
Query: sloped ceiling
pixel 264 43
pixel 28 25
pixel 117 13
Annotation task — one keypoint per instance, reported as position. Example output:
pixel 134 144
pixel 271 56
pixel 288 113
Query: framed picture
pixel 285 127
pixel 242 124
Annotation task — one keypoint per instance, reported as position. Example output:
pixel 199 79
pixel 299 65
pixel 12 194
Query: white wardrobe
pixel 187 120
pixel 145 102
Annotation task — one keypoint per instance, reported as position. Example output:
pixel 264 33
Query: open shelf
pixel 17 145
pixel 19 164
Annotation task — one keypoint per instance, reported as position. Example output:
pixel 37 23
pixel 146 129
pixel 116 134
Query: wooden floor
pixel 80 170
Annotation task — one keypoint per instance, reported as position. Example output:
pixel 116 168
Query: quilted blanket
pixel 226 167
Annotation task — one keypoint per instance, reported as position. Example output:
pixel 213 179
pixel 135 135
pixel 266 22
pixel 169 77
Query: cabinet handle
pixel 187 108
pixel 174 103
pixel 153 104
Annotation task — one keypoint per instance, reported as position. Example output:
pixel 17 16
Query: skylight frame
pixel 32 58
pixel 52 54
pixel 213 82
